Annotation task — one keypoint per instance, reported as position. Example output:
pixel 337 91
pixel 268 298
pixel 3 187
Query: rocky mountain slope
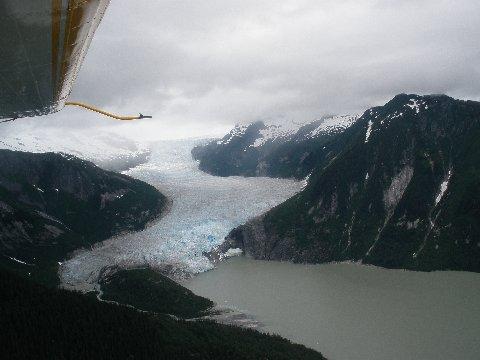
pixel 276 150
pixel 404 192
pixel 52 204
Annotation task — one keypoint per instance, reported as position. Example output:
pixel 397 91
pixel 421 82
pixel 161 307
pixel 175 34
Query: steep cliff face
pixel 51 204
pixel 404 192
pixel 287 150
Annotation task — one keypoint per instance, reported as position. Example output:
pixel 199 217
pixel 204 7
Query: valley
pixel 338 199
pixel 55 206
pixel 251 180
pixel 204 209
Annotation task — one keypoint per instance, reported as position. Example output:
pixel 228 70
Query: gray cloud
pixel 201 66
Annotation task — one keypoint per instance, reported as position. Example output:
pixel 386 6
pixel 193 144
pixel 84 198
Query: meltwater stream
pixel 204 209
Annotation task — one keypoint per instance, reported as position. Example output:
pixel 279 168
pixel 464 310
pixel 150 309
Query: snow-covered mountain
pixel 284 149
pixel 271 132
pixel 332 125
pixel 105 149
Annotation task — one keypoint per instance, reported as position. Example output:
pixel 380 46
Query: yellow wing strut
pixel 117 117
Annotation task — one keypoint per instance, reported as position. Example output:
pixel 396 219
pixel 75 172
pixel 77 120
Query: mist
pixel 201 67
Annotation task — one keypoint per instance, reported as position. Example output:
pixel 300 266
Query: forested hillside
pixel 52 204
pixel 40 323
pixel 402 193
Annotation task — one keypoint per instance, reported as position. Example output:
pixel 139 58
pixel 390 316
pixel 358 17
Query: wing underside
pixel 42 46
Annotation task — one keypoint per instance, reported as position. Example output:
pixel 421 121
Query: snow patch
pixel 46 216
pixel 237 131
pixel 278 130
pixel 305 181
pixel 395 191
pixel 395 115
pixel 231 253
pixel 416 105
pixel 443 188
pixel 369 131
pixel 19 261
pixel 271 133
pixel 333 124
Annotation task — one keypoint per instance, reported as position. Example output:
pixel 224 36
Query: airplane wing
pixel 42 46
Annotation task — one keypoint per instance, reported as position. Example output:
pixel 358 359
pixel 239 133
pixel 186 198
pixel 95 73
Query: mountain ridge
pixel 52 204
pixel 402 193
pixel 286 151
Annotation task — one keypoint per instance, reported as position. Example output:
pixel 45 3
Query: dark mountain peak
pixel 413 101
pixel 401 192
pixel 407 114
pixel 401 103
pixel 403 97
pixel 406 102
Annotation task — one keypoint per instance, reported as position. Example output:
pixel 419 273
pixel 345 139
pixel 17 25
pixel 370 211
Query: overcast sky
pixel 200 66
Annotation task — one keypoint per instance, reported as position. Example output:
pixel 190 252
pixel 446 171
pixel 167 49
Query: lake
pixel 350 311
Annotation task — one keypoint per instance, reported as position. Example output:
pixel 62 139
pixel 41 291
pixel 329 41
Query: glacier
pixel 204 208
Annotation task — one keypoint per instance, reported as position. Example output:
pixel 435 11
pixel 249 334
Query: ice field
pixel 203 210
